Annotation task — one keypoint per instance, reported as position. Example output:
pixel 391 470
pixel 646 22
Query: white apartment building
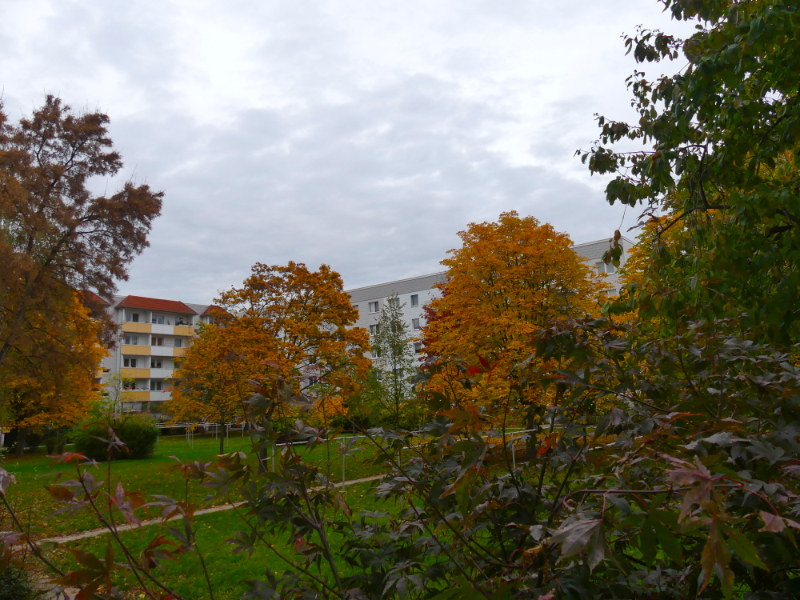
pixel 154 332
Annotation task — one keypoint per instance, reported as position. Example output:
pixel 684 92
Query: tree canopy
pixel 291 324
pixel 508 280
pixel 210 382
pixel 56 236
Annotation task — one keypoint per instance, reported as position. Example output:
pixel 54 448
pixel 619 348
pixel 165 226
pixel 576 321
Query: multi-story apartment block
pixel 413 294
pixel 154 332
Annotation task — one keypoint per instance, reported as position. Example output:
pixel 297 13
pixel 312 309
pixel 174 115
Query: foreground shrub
pixel 139 433
pixel 16 584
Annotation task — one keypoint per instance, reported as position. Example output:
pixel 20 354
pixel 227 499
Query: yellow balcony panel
pixel 129 327
pixel 136 396
pixel 135 350
pixel 136 373
pixel 179 352
pixel 184 330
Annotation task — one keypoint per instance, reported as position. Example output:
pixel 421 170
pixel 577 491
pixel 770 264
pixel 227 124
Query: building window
pixel 155 363
pixel 394 302
pixel 158 319
pixel 178 343
pixel 157 341
pixel 312 380
pixel 373 329
pixel 181 321
pixel 415 323
pixel 373 307
pixel 155 386
pixel 414 300
pixel 129 363
pixel 417 347
pixel 610 268
pixel 133 317
pixel 132 340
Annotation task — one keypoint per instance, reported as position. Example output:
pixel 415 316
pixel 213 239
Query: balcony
pixel 161 373
pixel 136 350
pixel 131 327
pixel 136 373
pixel 186 330
pixel 179 351
pixel 136 396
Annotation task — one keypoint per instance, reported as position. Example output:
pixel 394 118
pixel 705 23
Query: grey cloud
pixel 377 188
pixel 321 145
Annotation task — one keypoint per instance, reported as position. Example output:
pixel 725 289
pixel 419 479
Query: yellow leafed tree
pixel 287 324
pixel 509 279
pixel 210 382
pixel 55 385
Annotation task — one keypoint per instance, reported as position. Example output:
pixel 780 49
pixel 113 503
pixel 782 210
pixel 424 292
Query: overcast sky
pixel 359 133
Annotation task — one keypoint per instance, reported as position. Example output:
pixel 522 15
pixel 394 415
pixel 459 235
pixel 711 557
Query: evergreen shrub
pixel 138 432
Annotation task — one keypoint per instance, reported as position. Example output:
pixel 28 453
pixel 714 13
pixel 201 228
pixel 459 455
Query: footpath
pixel 204 511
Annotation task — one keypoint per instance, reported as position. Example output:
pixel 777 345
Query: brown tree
pixel 55 235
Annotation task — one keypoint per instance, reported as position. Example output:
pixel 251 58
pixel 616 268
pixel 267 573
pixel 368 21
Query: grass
pixel 156 475
pixel 228 572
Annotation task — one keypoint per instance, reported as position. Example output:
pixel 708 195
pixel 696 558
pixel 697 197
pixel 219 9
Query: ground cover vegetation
pixel 663 451
pixel 159 474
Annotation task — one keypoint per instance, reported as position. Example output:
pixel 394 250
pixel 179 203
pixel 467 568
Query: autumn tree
pixel 293 325
pixel 55 384
pixel 56 236
pixel 210 382
pixel 393 360
pixel 509 279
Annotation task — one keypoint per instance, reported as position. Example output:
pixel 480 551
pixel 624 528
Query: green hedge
pixel 139 432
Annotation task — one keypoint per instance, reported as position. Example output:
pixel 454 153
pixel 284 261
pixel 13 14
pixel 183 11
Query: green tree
pixel 721 156
pixel 393 361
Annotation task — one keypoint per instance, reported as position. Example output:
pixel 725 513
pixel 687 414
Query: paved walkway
pixel 205 511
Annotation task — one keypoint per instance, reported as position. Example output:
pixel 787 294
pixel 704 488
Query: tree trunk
pixel 222 437
pixel 22 435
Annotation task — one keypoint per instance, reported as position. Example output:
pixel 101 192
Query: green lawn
pixel 157 475
pixel 228 572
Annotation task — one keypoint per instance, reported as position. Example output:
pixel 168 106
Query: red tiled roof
pixel 212 308
pixel 91 298
pixel 172 306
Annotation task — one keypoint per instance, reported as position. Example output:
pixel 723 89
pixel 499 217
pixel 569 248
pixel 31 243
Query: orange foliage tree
pixel 507 281
pixel 290 324
pixel 55 385
pixel 209 383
